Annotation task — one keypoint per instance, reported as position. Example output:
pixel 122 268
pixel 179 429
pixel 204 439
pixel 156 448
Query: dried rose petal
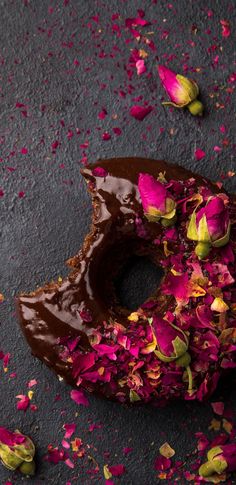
pixel 79 397
pixel 140 112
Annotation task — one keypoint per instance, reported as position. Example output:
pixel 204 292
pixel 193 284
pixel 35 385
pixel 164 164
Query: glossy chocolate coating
pixel 54 311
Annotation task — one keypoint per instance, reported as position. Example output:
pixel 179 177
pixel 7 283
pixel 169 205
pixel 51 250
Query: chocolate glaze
pixel 54 311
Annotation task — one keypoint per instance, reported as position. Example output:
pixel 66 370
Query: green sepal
pixel 214 452
pixel 196 108
pixel 184 360
pixel 211 467
pixel 222 241
pixel 180 347
pixel 189 86
pixel 163 358
pixel 166 222
pixel 28 468
pixel 133 396
pixel 192 228
pixel 202 250
pixel 8 457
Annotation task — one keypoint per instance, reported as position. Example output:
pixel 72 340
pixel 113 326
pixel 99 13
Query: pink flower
pixel 210 226
pixel 181 90
pixel 157 202
pixel 220 458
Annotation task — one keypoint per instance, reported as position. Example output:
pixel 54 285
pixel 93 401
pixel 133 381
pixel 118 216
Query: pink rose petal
pixel 70 429
pixel 140 66
pixel 199 154
pixel 117 470
pixel 140 112
pixel 225 28
pixel 106 136
pixel 79 397
pixel 218 407
pixel 162 463
pixel 99 172
pixel 23 402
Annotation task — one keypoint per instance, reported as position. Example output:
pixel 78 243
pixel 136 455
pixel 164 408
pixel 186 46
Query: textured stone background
pixel 61 63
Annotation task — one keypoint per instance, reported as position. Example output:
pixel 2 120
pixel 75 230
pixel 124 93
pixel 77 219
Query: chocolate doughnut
pixel 179 341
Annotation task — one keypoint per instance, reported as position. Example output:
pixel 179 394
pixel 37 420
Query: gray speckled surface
pixel 59 67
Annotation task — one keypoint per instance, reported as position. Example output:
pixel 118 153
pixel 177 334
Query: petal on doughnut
pixel 219 305
pixel 177 285
pixel 82 363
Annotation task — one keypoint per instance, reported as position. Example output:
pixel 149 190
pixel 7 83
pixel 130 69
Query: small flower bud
pixel 17 451
pixel 157 202
pixel 210 226
pixel 183 92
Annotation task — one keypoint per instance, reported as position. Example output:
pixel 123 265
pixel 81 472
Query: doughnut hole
pixel 126 275
pixel 138 280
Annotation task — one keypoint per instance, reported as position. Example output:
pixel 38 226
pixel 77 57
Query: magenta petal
pixel 140 112
pixel 104 349
pixel 79 397
pixel 162 463
pixel 199 154
pixel 70 429
pixel 82 363
pixel 99 172
pixel 229 455
pixel 117 470
pixel 176 285
pixel 23 403
pixel 10 439
pixel 170 83
pixel 140 66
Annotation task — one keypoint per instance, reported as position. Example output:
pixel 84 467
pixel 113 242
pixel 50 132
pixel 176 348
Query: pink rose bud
pixel 220 458
pixel 172 342
pixel 158 203
pixel 210 226
pixel 172 345
pixel 183 92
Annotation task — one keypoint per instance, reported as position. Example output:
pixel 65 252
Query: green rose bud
pixel 17 451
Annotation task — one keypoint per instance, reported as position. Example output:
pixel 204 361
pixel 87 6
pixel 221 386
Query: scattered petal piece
pixel 79 397
pixel 140 66
pixel 166 450
pixel 23 403
pixel 218 407
pixel 140 112
pixel 162 463
pixel 225 28
pixel 99 172
pixel 117 470
pixel 199 154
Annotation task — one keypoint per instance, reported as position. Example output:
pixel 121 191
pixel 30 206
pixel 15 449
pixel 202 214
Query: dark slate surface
pixel 60 66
